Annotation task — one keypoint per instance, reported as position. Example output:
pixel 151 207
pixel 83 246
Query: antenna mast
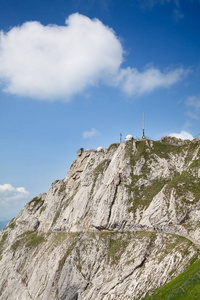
pixel 143 136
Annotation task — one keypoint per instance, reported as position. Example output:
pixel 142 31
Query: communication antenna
pixel 120 138
pixel 143 136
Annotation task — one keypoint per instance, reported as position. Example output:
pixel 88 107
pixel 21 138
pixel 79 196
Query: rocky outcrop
pixel 91 266
pixel 123 222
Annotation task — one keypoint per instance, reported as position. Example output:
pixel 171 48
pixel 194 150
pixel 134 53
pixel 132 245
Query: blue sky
pixel 77 73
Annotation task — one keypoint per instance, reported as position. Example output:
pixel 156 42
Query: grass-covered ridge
pixel 35 203
pixel 141 195
pixel 29 239
pixel 12 224
pixel 186 286
pixel 99 170
pixel 2 243
pixel 113 146
pixel 184 183
pixel 95 253
pixel 116 248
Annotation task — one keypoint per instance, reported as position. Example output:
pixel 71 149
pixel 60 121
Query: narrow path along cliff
pixel 122 223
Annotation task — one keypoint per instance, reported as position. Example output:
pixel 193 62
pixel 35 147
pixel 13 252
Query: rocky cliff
pixel 123 222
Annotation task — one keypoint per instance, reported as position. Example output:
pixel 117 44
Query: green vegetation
pixel 65 203
pixel 29 239
pixel 62 187
pixel 35 202
pixel 2 243
pixel 12 224
pixel 116 249
pixel 187 190
pixel 191 147
pixel 56 181
pixel 62 262
pixel 119 241
pixel 170 140
pixel 34 240
pixel 70 249
pixel 172 145
pixel 164 149
pixel 195 164
pixel 161 149
pixel 99 170
pixel 185 286
pixel 141 195
pixel 57 214
pixel 141 151
pixel 180 244
pixel 185 183
pixel 42 209
pixel 113 146
pixel 58 238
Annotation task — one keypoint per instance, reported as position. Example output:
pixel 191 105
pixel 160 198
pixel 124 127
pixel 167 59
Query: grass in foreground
pixel 183 287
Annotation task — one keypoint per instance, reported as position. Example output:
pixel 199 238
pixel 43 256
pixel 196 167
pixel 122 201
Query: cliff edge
pixel 123 222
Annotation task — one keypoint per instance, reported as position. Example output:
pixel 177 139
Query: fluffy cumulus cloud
pixel 89 134
pixel 56 62
pixel 182 135
pixel 11 200
pixel 10 195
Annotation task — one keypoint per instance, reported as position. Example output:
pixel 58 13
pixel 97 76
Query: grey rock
pixel 109 230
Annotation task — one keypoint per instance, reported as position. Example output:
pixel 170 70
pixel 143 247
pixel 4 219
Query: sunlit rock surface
pixel 122 223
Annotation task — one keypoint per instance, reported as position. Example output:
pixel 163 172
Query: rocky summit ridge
pixel 122 223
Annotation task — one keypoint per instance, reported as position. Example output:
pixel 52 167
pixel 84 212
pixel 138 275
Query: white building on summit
pixel 129 137
pixel 100 149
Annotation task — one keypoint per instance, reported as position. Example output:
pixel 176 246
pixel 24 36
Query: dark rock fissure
pixel 111 205
pixel 137 267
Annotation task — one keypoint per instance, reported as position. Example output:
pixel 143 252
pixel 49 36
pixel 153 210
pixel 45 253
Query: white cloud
pixel 178 15
pixel 10 194
pixel 182 135
pixel 134 82
pixel 152 3
pixel 89 134
pixel 192 115
pixel 194 103
pixel 56 62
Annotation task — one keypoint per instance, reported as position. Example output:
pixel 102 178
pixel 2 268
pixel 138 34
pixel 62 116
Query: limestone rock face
pixel 91 266
pixel 114 228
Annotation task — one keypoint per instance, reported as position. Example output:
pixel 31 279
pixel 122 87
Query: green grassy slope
pixel 183 287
